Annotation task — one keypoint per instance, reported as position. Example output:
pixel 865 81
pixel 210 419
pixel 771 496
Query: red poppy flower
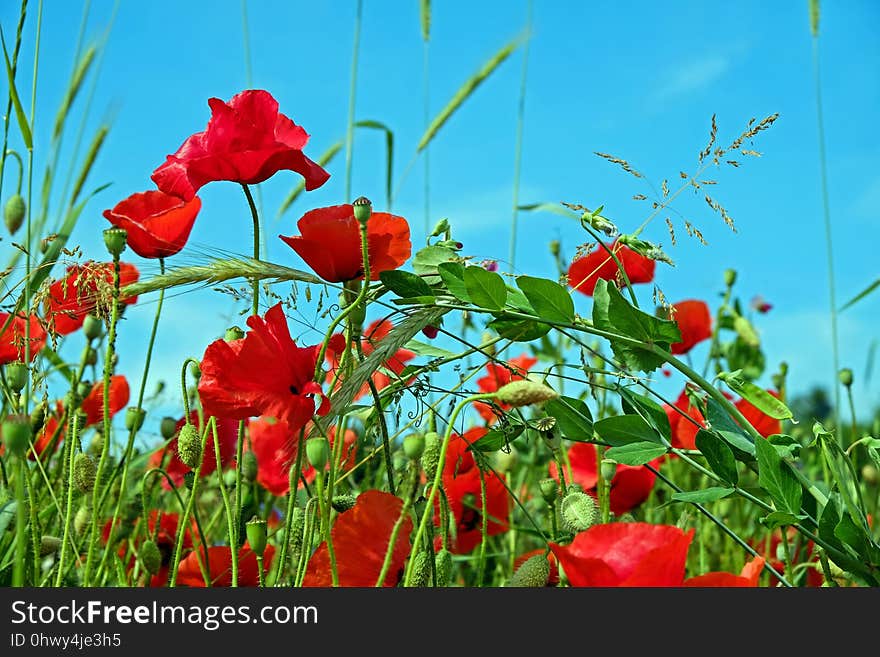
pixel 247 141
pixel 93 404
pixel 220 567
pixel 461 481
pixel 275 446
pixel 684 432
pixel 626 554
pixel 763 423
pixel 749 576
pixel 769 547
pixel 360 539
pixel 694 322
pixel 157 224
pixel 80 291
pixel 14 335
pixel 631 484
pixel 227 436
pixel 584 272
pixel 500 375
pixel 264 373
pixel 330 243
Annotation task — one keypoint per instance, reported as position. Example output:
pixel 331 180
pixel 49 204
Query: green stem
pixel 324 510
pixel 231 520
pixel 484 529
pixel 520 122
pixel 295 475
pixel 395 531
pixel 256 219
pixel 349 130
pixel 73 438
pixel 21 521
pixel 383 427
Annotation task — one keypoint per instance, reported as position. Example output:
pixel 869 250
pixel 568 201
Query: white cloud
pixel 692 76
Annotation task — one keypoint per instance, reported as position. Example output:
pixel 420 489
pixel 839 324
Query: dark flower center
pixel 294 390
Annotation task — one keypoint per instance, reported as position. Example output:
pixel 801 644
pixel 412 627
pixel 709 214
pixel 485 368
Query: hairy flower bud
pixel 729 277
pixel 534 573
pixel 443 564
pixel 14 213
pixel 846 377
pixel 549 490
pixel 249 467
pixel 167 427
pixel 82 519
pixel 49 545
pixel 318 452
pixel 84 472
pixel 525 392
pixel 342 503
pixel 150 557
pixel 189 445
pixel 414 446
pixel 16 432
pixel 578 512
pixel 422 569
pixel 431 455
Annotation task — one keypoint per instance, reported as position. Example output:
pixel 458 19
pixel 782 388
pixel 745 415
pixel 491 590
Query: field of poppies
pixel 457 424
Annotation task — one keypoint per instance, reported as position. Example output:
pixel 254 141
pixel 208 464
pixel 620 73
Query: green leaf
pixel 648 409
pixel 787 446
pixel 405 284
pixel 874 456
pixel 710 494
pixel 518 301
pixel 519 330
pixel 781 519
pixel 732 433
pixel 486 289
pixel 757 397
pixel 7 515
pixel 427 260
pixel 853 536
pixel 718 455
pixel 625 429
pixel 20 115
pixel 636 453
pixel 415 301
pixel 495 439
pixel 550 300
pixel 775 477
pixel 573 417
pixel 452 275
pixel 428 350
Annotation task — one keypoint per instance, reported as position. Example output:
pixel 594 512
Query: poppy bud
pixel 778 381
pixel 90 356
pixel 846 376
pixel 414 446
pixel 82 519
pixel 38 417
pixel 608 468
pixel 729 277
pixel 318 452
pixel 49 545
pixel 84 472
pixel 342 503
pixel 440 227
pixel 627 517
pixel 256 535
pixel 422 569
pixel 83 389
pixel 150 556
pixel 869 474
pixel 233 333
pixel 249 466
pixel 17 375
pixel 296 531
pixel 505 461
pixel 14 213
pixel 134 418
pixel 114 240
pixel 167 427
pixel 431 455
pixel 554 248
pixel 783 368
pixel 189 446
pixel 189 479
pixel 533 573
pixel 578 512
pixel 363 209
pixel 16 432
pixel 549 490
pixel 443 565
pixel 92 327
pixel 525 392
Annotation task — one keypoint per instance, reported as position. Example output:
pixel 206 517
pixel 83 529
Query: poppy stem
pixel 324 510
pixel 295 475
pixel 256 219
pixel 230 518
pixel 484 527
pixel 383 426
pixel 71 442
pixel 404 513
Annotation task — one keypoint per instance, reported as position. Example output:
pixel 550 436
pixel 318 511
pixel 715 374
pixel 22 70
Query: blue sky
pixel 639 80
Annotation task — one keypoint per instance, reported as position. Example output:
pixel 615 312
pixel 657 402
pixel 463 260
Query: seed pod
pixel 92 327
pixel 150 556
pixel 233 333
pixel 14 213
pixel 167 427
pixel 134 418
pixel 525 392
pixel 318 452
pixel 255 528
pixel 362 209
pixel 443 563
pixel 431 455
pixel 189 445
pixel 414 446
pixel 533 573
pixel 84 472
pixel 421 569
pixel 49 545
pixel 16 432
pixel 578 512
pixel 342 503
pixel 846 377
pixel 729 277
pixel 17 375
pixel 608 468
pixel 114 240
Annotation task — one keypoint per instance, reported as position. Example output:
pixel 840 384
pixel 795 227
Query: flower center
pixel 294 390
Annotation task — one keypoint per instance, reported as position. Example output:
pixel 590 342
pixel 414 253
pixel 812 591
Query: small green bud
pixel 84 472
pixel 626 517
pixel 16 432
pixel 549 490
pixel 318 452
pixel 414 446
pixel 14 213
pixel 505 461
pixel 150 556
pixel 256 535
pixel 167 427
pixel 363 209
pixel 114 240
pixel 90 355
pixel 233 333
pixel 134 418
pixel 608 468
pixel 189 479
pixel 440 227
pixel 82 519
pixel 533 573
pixel 342 503
pixel 729 277
pixel 296 531
pixel 83 388
pixel 443 565
pixel 525 392
pixel 93 327
pixel 869 474
pixel 17 375
pixel 38 417
pixel 97 444
pixel 189 445
pixel 846 377
pixel 49 545
pixel 431 455
pixel 249 467
pixel 421 570
pixel 578 512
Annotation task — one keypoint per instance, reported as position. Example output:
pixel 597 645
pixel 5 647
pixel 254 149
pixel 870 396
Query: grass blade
pixel 425 18
pixel 466 90
pixel 389 153
pixel 23 125
pixel 861 295
pixel 554 208
pixel 73 89
pixel 91 156
pixel 325 159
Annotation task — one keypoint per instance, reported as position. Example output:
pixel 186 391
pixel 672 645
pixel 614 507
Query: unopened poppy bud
pixel 249 466
pixel 440 227
pixel 256 535
pixel 608 468
pixel 150 556
pixel 167 427
pixel 84 472
pixel 318 452
pixel 414 446
pixel 92 327
pixel 363 209
pixel 549 490
pixel 869 474
pixel 90 356
pixel 443 566
pixel 189 479
pixel 533 573
pixel 846 377
pixel 83 388
pixel 729 277
pixel 49 545
pixel 233 333
pixel 82 519
pixel 342 503
pixel 189 445
pixel 525 392
pixel 17 375
pixel 431 455
pixel 134 418
pixel 296 531
pixel 16 432
pixel 14 213
pixel 422 569
pixel 38 417
pixel 505 461
pixel 578 512
pixel 554 248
